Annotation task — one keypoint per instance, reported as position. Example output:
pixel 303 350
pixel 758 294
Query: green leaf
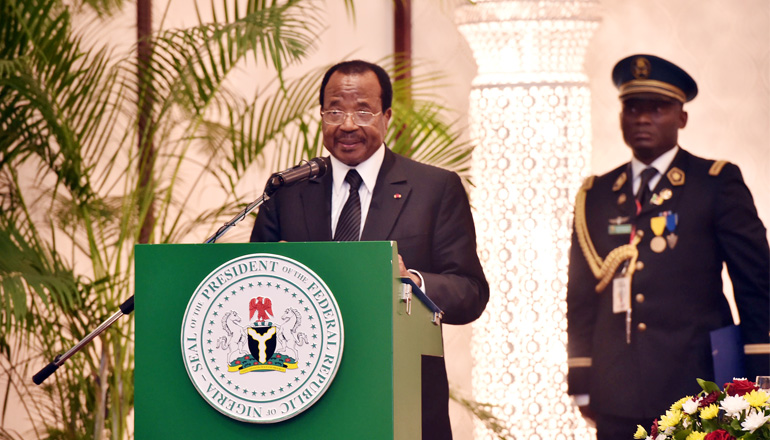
pixel 708 386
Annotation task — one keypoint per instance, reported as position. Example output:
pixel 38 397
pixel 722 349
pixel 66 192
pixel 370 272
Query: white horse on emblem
pixel 235 340
pixel 288 337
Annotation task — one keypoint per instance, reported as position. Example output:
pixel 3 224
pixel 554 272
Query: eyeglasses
pixel 337 117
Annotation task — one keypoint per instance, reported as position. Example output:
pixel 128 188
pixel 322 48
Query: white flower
pixel 661 437
pixel 734 405
pixel 754 420
pixel 690 407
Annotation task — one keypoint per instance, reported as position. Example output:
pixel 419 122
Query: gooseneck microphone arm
pixel 125 308
pixel 241 215
pixel 311 169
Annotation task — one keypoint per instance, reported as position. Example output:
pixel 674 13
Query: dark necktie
pixel 349 223
pixel 644 192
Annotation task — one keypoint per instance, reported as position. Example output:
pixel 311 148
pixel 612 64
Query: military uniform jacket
pixel 709 218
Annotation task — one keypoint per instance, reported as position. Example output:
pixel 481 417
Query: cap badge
pixel 641 68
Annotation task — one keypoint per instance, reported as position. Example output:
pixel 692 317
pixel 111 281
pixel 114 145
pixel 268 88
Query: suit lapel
pixel 390 195
pixel 317 204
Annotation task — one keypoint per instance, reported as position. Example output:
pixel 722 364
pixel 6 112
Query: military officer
pixel 649 242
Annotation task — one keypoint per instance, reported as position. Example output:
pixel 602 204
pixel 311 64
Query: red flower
pixel 719 434
pixel 740 387
pixel 708 399
pixel 654 429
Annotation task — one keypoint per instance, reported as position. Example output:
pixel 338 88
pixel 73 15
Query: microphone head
pixel 307 170
pixel 317 167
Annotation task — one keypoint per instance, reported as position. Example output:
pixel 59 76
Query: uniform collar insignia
pixel 675 176
pixel 620 181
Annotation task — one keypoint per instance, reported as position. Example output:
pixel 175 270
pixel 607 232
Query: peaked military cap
pixel 650 74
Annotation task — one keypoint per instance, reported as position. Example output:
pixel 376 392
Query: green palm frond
pixel 191 65
pixel 54 103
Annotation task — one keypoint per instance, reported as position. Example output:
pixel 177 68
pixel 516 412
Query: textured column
pixel 530 119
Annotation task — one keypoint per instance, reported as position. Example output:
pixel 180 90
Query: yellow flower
pixel 696 436
pixel 756 398
pixel 640 432
pixel 678 404
pixel 709 412
pixel 671 419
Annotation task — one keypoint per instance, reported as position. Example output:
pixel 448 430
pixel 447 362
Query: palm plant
pixel 76 193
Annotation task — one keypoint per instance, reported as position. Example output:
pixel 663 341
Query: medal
pixel 658 244
pixel 671 222
pixel 658 225
pixel 666 193
pixel 671 239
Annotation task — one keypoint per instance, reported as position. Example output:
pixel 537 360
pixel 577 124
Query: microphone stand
pixel 275 182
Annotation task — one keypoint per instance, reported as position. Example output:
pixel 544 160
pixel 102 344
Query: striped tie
pixel 349 223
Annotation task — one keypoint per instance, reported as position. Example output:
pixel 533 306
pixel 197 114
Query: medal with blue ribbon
pixel 672 220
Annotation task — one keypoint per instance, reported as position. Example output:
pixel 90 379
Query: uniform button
pixel 639 298
pixel 639 265
pixel 642 326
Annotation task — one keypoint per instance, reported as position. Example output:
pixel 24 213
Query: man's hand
pixel 405 273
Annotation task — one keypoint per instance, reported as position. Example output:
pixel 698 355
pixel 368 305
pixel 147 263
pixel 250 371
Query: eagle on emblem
pixel 264 308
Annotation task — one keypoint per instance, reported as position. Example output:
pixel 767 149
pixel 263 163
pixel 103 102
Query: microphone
pixel 312 169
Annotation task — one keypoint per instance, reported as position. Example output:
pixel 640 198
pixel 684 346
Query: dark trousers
pixel 435 400
pixel 619 428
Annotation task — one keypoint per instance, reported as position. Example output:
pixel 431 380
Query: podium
pixel 376 391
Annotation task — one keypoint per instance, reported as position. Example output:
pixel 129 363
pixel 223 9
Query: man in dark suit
pixel 423 208
pixel 649 242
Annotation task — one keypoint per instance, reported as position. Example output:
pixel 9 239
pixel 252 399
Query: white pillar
pixel 530 119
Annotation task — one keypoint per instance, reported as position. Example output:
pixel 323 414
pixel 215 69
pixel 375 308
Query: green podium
pixel 196 379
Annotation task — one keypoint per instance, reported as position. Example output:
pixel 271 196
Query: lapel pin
pixel 619 220
pixel 396 196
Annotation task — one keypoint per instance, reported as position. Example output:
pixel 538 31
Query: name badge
pixel 619 229
pixel 621 294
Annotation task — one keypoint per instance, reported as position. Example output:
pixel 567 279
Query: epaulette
pixel 716 167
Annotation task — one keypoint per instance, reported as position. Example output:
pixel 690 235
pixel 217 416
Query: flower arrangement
pixel 740 412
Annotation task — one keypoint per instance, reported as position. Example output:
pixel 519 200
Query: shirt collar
pixel 368 169
pixel 661 163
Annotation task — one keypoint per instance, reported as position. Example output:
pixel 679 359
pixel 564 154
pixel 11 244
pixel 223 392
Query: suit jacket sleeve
pixel 456 281
pixel 743 240
pixel 582 306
